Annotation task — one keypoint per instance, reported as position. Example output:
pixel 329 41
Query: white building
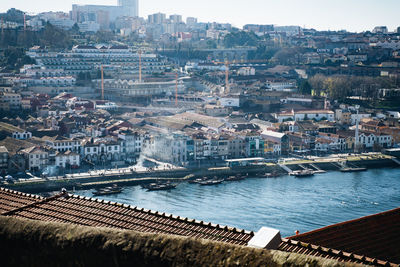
pixel 62 144
pixel 132 143
pixel 13 99
pixel 286 86
pixel 94 150
pixel 36 157
pixel 229 101
pixel 22 135
pixel 247 71
pixel 305 115
pixel 368 140
pixel 68 158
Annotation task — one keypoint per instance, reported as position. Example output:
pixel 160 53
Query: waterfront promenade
pixel 163 171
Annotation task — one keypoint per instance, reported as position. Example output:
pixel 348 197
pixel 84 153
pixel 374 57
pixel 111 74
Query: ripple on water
pixel 284 203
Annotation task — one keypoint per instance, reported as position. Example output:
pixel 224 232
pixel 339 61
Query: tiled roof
pixel 11 200
pixel 377 236
pixel 66 208
pixel 289 245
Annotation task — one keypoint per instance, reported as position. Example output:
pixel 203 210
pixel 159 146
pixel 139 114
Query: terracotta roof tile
pixel 93 212
pixel 377 236
pixel 65 208
pixel 11 200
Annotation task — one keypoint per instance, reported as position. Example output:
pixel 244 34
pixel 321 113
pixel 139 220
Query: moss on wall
pixel 36 243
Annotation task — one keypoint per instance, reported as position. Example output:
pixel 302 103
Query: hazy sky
pixel 352 15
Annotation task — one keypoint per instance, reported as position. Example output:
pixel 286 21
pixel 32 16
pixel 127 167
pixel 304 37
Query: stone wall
pixel 35 243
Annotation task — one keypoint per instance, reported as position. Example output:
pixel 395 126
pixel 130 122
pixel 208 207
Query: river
pixel 285 203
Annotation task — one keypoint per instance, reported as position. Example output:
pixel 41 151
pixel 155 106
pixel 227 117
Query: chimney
pixel 266 237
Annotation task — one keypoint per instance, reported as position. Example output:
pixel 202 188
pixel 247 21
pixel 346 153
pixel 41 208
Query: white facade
pixel 63 144
pixel 286 86
pixel 247 71
pixel 13 99
pixel 22 135
pixel 102 151
pixel 306 115
pixel 36 157
pixel 230 101
pixel 368 140
pixel 132 144
pixel 67 158
pixel 317 115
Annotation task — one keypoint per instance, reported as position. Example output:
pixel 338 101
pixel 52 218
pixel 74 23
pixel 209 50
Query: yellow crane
pixel 227 63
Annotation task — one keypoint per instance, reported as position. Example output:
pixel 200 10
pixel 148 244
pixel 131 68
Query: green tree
pixel 305 87
pixel 14 58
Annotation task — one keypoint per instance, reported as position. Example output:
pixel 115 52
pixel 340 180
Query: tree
pixel 75 28
pixel 305 87
pixel 14 59
pixel 240 38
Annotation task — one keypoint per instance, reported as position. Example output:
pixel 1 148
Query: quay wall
pixel 180 175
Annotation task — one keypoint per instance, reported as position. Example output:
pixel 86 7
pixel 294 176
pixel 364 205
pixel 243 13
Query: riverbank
pixel 130 177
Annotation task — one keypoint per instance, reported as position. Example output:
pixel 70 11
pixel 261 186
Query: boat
pixel 234 178
pixel 109 190
pixel 270 175
pixel 211 182
pixel 303 173
pixel 198 180
pixel 349 169
pixel 159 186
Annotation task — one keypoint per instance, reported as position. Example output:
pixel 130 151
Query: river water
pixel 285 203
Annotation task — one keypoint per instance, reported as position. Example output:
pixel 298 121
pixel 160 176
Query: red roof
pixel 11 200
pixel 377 236
pixel 66 208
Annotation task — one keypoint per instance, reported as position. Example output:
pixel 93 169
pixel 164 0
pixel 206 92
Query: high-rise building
pixel 175 18
pixel 131 5
pixel 103 15
pixel 190 21
pixel 157 18
pixel 380 29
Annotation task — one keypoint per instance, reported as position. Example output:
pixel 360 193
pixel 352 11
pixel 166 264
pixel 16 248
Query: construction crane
pixel 227 63
pixel 102 82
pixel 176 89
pixel 140 65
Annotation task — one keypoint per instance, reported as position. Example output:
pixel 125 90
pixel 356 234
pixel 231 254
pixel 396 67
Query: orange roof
pixel 377 236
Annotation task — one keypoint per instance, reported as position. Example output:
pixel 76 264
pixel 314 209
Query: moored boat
pixel 198 180
pixel 303 173
pixel 109 190
pixel 353 169
pixel 234 178
pixel 159 186
pixel 211 182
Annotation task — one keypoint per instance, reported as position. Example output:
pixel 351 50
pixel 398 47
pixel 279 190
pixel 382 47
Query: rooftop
pixel 382 240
